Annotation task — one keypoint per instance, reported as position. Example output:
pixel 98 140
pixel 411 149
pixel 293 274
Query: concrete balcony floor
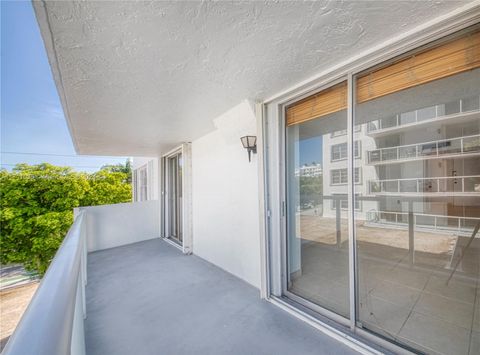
pixel 149 298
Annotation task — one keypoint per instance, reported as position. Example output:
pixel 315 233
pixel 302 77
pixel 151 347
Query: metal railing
pixel 458 107
pixel 424 221
pixel 53 321
pixel 426 150
pixel 454 184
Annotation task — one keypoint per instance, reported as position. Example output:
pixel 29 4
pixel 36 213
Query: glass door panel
pixel 179 201
pixel 174 197
pixel 418 251
pixel 316 211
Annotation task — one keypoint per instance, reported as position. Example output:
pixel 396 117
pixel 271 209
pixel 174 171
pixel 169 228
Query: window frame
pixel 137 183
pixel 143 182
pixel 134 185
pixel 333 204
pixel 356 143
pixel 341 183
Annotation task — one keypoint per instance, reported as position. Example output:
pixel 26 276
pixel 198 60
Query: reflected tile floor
pixel 412 304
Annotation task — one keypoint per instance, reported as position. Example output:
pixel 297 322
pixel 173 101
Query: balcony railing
pixel 424 221
pixel 442 111
pixel 427 150
pixel 53 321
pixel 451 184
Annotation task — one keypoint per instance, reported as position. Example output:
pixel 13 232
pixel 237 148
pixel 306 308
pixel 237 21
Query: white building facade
pixel 313 170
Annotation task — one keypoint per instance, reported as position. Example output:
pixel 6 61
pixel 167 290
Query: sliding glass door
pixel 317 232
pixel 382 212
pixel 174 193
pixel 418 251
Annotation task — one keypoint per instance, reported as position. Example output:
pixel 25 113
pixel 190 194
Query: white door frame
pixel 186 208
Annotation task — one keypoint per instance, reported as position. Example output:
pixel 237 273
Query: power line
pixel 58 155
pixel 42 154
pixel 71 166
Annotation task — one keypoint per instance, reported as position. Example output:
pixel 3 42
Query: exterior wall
pixel 110 226
pixel 151 163
pixel 225 196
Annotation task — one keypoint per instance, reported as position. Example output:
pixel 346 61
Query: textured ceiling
pixel 140 77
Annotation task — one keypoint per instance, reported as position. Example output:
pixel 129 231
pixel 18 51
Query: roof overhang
pixel 137 78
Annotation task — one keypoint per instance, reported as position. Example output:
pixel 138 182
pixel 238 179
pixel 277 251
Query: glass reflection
pixel 317 203
pixel 417 243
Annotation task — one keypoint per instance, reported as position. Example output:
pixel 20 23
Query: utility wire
pixel 57 155
pixel 71 166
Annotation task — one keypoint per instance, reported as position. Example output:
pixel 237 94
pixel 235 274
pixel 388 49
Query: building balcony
pixel 441 149
pixel 144 296
pixel 436 186
pixel 423 221
pixel 457 111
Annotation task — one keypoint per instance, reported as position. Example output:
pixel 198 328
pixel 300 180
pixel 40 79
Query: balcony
pixel 423 221
pixel 144 296
pixel 440 149
pixel 438 186
pixel 460 110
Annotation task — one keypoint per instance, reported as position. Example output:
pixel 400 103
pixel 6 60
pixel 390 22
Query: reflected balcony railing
pixel 422 220
pixel 426 150
pixel 441 185
pixel 442 111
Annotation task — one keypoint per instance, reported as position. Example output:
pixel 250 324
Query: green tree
pixel 36 208
pixel 107 187
pixel 311 189
pixel 120 168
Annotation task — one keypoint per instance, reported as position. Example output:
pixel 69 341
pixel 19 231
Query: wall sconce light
pixel 250 144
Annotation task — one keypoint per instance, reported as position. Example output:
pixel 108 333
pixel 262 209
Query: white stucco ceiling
pixel 136 78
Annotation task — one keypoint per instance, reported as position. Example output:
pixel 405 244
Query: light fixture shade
pixel 249 141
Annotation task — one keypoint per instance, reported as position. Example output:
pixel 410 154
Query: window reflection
pixel 317 203
pixel 418 258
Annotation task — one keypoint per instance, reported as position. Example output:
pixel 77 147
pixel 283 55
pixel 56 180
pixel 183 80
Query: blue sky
pixel 32 119
pixel 311 151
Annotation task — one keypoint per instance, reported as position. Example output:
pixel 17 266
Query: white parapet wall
pixel 111 226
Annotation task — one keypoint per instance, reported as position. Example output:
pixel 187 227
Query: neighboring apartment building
pixel 391 260
pixel 335 155
pixel 407 154
pixel 312 170
pixel 433 152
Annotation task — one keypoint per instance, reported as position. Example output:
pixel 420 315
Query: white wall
pixel 225 196
pixel 110 226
